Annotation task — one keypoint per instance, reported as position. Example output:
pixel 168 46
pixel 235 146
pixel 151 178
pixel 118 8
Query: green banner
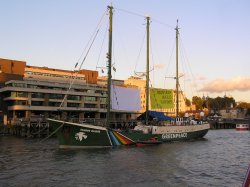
pixel 161 98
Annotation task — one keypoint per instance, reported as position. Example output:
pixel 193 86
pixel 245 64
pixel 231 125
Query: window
pixel 89 105
pixel 103 100
pixel 32 86
pixel 37 103
pixel 55 104
pixel 12 103
pixel 56 96
pixel 21 85
pixel 72 105
pixel 91 91
pixel 19 94
pixel 37 95
pixel 89 98
pixel 102 106
pixel 73 97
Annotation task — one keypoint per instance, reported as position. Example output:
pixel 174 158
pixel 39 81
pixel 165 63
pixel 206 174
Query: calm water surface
pixel 221 159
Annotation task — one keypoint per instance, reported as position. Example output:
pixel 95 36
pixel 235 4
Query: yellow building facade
pixel 141 84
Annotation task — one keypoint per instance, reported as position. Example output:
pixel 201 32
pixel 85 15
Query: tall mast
pixel 177 71
pixel 147 71
pixel 109 56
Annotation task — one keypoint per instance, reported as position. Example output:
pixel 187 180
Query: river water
pixel 220 159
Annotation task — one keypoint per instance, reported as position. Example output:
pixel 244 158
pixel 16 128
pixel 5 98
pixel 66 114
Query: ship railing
pixel 116 123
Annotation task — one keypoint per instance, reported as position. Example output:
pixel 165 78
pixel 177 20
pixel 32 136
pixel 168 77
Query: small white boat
pixel 242 127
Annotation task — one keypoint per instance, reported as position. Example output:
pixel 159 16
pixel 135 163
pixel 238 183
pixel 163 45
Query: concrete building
pixel 232 113
pixel 141 84
pixel 27 91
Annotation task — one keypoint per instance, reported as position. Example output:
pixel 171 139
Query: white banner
pixel 125 98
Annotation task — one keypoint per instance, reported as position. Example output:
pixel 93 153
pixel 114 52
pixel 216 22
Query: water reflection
pixel 218 160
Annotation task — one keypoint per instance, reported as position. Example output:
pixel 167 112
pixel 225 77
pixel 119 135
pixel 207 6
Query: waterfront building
pixel 232 113
pixel 28 91
pixel 141 84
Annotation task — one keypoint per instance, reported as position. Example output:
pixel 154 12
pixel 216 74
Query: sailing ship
pixel 86 135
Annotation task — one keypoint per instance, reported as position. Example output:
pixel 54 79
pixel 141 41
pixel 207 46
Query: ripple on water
pixel 221 159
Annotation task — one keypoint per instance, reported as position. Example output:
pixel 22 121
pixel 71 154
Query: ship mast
pixel 177 71
pixel 147 71
pixel 109 57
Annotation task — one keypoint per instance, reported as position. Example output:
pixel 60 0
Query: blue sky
pixel 214 39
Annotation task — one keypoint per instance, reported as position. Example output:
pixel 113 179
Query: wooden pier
pixel 227 123
pixel 26 127
pixel 39 127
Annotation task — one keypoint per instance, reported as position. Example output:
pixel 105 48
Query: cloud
pixel 159 66
pixel 221 85
pixel 201 78
pixel 195 79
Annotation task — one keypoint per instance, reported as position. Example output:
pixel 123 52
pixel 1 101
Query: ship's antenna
pixel 147 70
pixel 177 70
pixel 109 56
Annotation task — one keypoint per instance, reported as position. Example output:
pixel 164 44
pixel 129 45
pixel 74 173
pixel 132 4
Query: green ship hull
pixel 71 135
pixel 74 135
pixel 169 136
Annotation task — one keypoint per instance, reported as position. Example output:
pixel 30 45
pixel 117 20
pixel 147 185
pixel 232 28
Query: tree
pixel 248 112
pixel 243 105
pixel 197 101
pixel 220 103
pixel 188 102
pixel 215 104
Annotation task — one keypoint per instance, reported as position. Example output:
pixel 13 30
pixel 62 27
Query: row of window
pixel 53 104
pixel 23 85
pixel 57 96
pixel 55 75
pixel 19 94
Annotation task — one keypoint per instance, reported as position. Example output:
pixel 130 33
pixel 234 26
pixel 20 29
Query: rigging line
pixel 53 132
pixel 130 12
pixel 183 59
pixel 93 36
pixel 169 61
pixel 140 15
pixel 187 78
pixel 105 34
pixel 80 67
pixel 152 57
pixel 137 59
pixel 114 60
pixel 182 93
pixel 185 56
pixel 97 28
pixel 120 38
pixel 165 24
pixel 188 64
pixel 182 65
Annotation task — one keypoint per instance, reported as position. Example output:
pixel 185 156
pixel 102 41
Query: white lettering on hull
pixel 173 136
pixel 92 130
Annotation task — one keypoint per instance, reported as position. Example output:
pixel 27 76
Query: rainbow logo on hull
pixel 119 139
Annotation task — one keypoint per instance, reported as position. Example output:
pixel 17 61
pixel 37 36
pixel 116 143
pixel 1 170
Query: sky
pixel 214 40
